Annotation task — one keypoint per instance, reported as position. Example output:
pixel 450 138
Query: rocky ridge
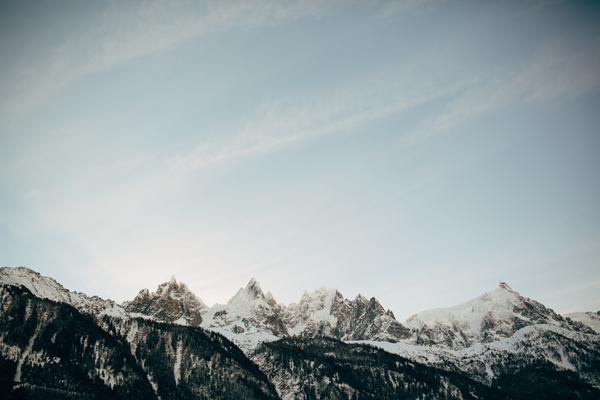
pixel 326 312
pixel 494 339
pixel 252 316
pixel 590 319
pixel 172 302
pixel 493 316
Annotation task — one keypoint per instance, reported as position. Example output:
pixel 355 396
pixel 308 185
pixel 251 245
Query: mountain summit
pixel 326 312
pixel 492 316
pixel 172 302
pixel 248 318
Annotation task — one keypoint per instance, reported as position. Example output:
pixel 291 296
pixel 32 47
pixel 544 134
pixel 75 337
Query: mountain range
pixel 57 343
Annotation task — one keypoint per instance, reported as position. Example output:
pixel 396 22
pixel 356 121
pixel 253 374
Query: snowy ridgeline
pixel 486 338
pixel 252 316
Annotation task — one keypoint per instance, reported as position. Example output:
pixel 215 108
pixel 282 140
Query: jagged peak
pixel 325 297
pixel 505 286
pixel 165 288
pixel 366 300
pixel 253 286
pixel 372 303
pixel 252 291
pixel 360 298
pixel 174 289
pixel 171 284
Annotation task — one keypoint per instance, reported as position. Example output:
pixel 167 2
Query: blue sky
pixel 416 151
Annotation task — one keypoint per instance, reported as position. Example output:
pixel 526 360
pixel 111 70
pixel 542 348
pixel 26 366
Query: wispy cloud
pixel 273 127
pixel 124 32
pixel 556 70
pixel 279 125
pixel 283 124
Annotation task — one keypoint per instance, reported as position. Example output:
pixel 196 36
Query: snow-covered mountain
pixel 590 319
pixel 539 344
pixel 249 317
pixel 172 302
pixel 499 334
pixel 490 317
pixel 252 316
pixel 47 288
pixel 51 350
pixel 326 312
pixel 500 339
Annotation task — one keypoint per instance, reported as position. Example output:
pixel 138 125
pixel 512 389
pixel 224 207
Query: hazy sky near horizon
pixel 417 151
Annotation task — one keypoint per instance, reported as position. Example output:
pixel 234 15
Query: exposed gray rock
pixel 172 302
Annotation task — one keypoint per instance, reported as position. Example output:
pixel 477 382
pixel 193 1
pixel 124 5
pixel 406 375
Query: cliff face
pixel 172 302
pixel 326 312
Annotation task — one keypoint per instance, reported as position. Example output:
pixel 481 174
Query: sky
pixel 416 151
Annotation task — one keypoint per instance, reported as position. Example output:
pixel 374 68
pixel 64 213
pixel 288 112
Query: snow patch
pixel 591 319
pixel 181 321
pixel 177 365
pixel 24 356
